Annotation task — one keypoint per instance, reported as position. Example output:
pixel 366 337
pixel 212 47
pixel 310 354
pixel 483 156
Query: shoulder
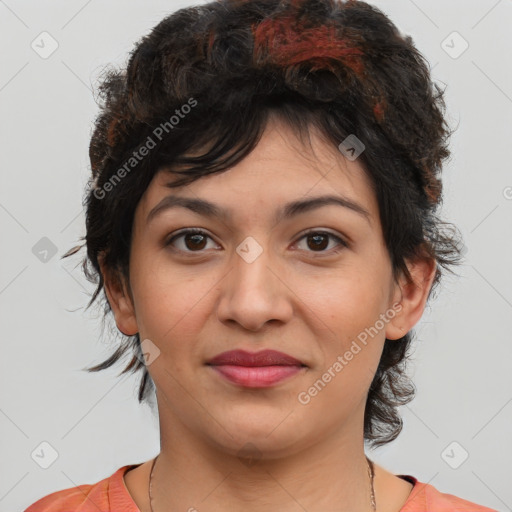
pixel 426 498
pixel 103 496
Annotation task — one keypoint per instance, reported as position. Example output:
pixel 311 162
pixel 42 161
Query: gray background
pixel 93 421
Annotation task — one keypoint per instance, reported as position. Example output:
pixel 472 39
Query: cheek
pixel 170 303
pixel 346 309
pixel 346 300
pixel 350 345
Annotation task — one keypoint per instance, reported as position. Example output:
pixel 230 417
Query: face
pixel 309 285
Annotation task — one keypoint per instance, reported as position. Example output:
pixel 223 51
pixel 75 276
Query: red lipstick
pixel 256 369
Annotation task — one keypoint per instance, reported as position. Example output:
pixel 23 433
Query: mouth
pixel 255 370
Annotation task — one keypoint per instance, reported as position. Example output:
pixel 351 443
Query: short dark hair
pixel 210 76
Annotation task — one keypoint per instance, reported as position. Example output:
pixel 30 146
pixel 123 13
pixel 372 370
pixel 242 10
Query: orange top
pixel 111 495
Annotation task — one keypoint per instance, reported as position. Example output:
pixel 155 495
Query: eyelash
pixel 196 231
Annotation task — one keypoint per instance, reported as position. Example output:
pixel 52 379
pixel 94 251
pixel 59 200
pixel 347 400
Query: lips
pixel 263 358
pixel 255 370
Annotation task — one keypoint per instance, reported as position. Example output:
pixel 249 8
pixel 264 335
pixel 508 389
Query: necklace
pixel 371 475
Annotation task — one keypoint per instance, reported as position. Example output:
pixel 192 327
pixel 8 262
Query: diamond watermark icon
pixel 462 247
pixel 249 249
pixel 44 455
pixel 44 250
pixel 351 147
pixel 149 352
pixel 454 455
pixel 249 454
pixel 44 45
pixel 454 45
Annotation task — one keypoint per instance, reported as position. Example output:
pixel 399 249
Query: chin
pixel 269 439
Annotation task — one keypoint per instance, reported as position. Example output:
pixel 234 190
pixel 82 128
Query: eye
pixel 194 240
pixel 318 241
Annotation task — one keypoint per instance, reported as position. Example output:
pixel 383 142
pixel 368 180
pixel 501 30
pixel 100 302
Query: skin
pixel 305 301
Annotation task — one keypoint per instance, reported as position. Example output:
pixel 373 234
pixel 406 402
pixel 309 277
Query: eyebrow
pixel 208 209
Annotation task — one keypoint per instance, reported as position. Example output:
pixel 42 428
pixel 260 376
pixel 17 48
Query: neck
pixel 190 474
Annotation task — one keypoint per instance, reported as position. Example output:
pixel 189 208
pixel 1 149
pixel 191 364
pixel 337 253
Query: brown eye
pixel 193 240
pixel 318 241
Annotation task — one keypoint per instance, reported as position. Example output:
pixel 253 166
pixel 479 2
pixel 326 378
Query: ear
pixel 412 296
pixel 120 300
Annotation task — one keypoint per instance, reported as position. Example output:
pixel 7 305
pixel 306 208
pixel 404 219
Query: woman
pixel 262 221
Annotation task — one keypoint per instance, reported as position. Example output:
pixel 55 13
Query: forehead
pixel 280 169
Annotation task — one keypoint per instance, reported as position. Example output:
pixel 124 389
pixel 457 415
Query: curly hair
pixel 207 78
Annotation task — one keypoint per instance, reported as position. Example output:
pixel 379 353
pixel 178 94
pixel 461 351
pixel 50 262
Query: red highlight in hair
pixel 379 109
pixel 285 43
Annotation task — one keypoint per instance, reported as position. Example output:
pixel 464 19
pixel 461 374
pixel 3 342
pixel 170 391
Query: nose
pixel 254 293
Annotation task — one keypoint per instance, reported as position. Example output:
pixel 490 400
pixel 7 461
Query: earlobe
pixel 120 301
pixel 412 296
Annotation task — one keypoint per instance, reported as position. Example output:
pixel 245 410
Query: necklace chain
pixel 371 475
